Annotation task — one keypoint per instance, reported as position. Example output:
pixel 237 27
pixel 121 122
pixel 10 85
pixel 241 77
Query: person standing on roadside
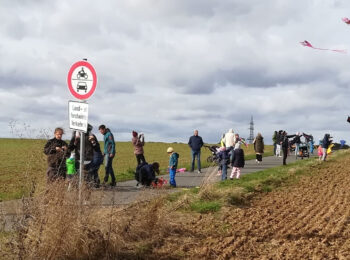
pixel 230 141
pixel 173 160
pixel 57 151
pixel 259 147
pixel 285 145
pixel 109 153
pixel 196 143
pixel 274 140
pixel 325 144
pixel 237 161
pixel 138 142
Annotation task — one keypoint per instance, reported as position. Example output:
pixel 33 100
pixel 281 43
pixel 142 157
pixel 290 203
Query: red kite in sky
pixel 307 44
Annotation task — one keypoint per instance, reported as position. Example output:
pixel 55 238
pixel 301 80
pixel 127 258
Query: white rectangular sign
pixel 78 115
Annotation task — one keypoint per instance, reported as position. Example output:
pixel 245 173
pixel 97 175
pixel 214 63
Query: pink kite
pixel 346 20
pixel 307 44
pixel 181 170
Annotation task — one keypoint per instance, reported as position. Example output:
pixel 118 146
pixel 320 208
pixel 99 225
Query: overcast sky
pixel 167 67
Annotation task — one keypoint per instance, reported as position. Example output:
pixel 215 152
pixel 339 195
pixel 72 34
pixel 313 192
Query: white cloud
pixel 168 67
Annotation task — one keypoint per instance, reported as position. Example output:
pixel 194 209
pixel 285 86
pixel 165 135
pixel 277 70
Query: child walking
pixel 173 160
pixel 237 161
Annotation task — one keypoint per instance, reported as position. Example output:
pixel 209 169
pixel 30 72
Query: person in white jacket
pixel 230 140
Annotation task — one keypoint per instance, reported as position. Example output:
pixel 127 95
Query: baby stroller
pixel 213 158
pixel 303 151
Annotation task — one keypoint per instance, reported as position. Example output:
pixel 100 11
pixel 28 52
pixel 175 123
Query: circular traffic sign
pixel 82 80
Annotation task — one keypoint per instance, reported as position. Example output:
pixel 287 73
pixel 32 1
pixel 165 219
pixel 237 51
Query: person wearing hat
pixel 173 160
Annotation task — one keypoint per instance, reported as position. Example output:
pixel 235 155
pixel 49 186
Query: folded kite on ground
pixel 307 44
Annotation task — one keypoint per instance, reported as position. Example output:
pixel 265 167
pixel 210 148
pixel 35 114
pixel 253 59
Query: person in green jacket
pixel 71 171
pixel 109 153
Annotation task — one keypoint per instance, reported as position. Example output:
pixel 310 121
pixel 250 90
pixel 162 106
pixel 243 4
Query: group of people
pixel 283 141
pixel 64 159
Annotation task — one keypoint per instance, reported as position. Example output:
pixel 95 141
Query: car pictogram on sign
pixel 81 86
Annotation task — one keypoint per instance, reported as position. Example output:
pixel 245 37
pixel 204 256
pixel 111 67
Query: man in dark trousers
pixel 109 153
pixel 196 143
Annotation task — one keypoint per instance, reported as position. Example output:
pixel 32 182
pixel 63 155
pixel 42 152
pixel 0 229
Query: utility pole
pixel 251 128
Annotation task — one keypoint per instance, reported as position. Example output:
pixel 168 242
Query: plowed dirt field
pixel 308 220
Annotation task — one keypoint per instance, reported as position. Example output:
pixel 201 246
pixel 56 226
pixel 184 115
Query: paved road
pixel 127 192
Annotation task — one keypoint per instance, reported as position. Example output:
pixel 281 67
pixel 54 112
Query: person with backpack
pixel 237 161
pixel 173 161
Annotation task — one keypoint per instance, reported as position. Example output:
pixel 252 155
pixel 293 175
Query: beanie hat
pixel 170 150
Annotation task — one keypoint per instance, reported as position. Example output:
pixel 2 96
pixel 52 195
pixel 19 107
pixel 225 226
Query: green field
pixel 24 163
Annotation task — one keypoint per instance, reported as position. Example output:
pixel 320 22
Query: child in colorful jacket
pixel 173 160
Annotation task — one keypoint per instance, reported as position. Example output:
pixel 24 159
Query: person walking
pixel 109 153
pixel 173 161
pixel 259 147
pixel 325 144
pixel 138 142
pixel 57 151
pixel 196 143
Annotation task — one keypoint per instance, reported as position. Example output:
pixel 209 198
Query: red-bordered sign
pixel 82 80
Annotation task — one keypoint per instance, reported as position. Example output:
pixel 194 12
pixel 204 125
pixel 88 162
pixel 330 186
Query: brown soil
pixel 309 220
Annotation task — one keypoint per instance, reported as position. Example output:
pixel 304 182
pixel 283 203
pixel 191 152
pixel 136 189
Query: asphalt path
pixel 127 192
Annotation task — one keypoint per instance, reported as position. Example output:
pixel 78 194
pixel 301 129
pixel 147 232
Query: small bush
pixel 205 206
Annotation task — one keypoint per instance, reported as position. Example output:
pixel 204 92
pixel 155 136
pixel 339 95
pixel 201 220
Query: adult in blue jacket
pixel 109 153
pixel 196 143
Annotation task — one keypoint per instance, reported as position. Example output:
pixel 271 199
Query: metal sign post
pixel 82 82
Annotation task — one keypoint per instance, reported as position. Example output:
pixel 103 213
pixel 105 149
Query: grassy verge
pixel 212 198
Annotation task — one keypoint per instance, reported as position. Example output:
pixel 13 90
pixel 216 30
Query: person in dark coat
pixel 92 154
pixel 196 143
pixel 57 152
pixel 259 147
pixel 224 160
pixel 325 144
pixel 285 145
pixel 237 161
pixel 146 173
